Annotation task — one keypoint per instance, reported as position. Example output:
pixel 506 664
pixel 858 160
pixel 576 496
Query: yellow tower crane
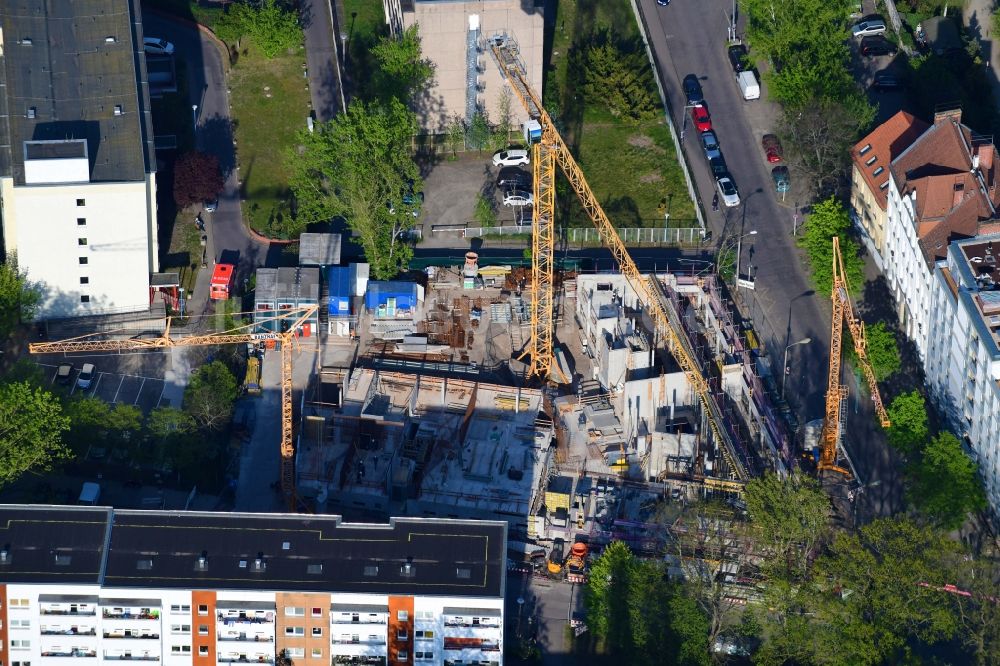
pixel 241 334
pixel 836 393
pixel 548 148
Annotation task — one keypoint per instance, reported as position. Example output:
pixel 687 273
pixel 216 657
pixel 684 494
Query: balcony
pixel 60 611
pixel 72 631
pixel 246 639
pixel 115 614
pixel 245 619
pixel 70 653
pixel 359 620
pixel 132 657
pixel 476 625
pixel 343 660
pixel 128 636
pixel 246 660
pixel 471 644
pixel 381 640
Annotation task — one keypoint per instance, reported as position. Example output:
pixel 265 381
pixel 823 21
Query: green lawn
pixel 270 102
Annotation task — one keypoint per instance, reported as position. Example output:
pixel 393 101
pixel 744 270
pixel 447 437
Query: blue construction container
pixel 391 298
pixel 338 279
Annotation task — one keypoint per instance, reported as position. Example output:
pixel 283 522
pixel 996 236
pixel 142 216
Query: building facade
pixel 206 589
pixel 963 359
pixel 77 166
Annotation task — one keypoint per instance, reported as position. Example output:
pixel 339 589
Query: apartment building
pixel 941 188
pixel 84 585
pixel 77 165
pixel 466 80
pixel 870 159
pixel 963 358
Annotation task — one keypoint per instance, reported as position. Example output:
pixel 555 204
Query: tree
pixel 618 74
pixel 456 134
pixel 89 418
pixel 485 213
pixel 479 132
pixel 501 133
pixel 31 427
pixel 18 297
pixel 687 633
pixel 606 597
pixel 197 178
pixel 165 423
pixel 272 27
pixel 883 353
pixel 789 517
pixel 353 166
pixel 829 219
pixel 210 395
pixel 946 484
pixel 908 414
pixel 403 73
pixel 979 613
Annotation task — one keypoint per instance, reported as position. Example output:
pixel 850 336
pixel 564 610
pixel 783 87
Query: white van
pixel 748 85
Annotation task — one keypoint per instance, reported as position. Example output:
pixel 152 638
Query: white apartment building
pixel 84 585
pixel 77 166
pixel 963 359
pixel 942 187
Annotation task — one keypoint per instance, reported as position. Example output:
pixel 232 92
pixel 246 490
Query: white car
pixel 86 376
pixel 510 157
pixel 869 27
pixel 518 198
pixel 157 46
pixel 727 190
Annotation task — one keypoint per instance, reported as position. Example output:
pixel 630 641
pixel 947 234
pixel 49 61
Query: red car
pixel 772 148
pixel 702 119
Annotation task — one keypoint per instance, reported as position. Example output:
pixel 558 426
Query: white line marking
pixel 100 376
pixel 160 399
pixel 118 390
pixel 139 392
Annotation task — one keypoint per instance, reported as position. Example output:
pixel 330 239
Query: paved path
pixel 321 58
pixel 978 17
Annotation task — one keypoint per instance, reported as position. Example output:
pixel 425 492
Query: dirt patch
pixel 644 142
pixel 650 178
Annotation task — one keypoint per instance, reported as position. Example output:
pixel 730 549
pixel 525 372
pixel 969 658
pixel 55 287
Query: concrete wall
pixel 906 269
pixel 117 239
pixel 870 218
pixel 444 30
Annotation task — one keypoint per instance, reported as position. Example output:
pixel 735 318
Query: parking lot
pixel 145 392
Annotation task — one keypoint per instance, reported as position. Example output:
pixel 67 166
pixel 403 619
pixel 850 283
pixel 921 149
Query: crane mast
pixel 546 152
pixel 836 393
pixel 240 334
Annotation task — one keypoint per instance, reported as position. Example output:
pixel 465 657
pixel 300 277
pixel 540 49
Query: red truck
pixel 222 282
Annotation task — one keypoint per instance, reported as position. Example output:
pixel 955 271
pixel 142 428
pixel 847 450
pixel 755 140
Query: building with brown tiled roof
pixel 870 159
pixel 941 188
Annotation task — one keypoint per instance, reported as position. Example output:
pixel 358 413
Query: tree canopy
pixel 31 427
pixel 354 167
pixel 883 353
pixel 210 395
pixel 946 482
pixel 789 516
pixel 908 414
pixel 18 297
pixel 273 26
pixel 829 219
pixel 402 72
pixel 618 75
pixel 197 178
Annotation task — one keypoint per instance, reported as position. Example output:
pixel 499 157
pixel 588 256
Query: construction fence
pixel 588 236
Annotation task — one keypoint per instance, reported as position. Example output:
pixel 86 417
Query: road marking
pixel 118 390
pixel 162 391
pixel 155 379
pixel 139 392
pixel 100 376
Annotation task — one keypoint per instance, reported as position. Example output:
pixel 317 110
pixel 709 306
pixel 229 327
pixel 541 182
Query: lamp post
pixel 194 116
pixel 784 364
pixel 739 253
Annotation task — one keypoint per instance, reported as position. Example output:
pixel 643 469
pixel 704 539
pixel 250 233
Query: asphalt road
pixel 690 38
pixel 321 58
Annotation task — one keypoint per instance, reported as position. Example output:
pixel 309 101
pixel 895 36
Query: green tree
pixel 479 132
pixel 908 415
pixel 24 370
pixel 946 484
pixel 618 74
pixel 210 395
pixel 352 167
pixel 687 633
pixel 89 418
pixel 456 134
pixel 883 353
pixel 31 427
pixel 273 27
pixel 18 297
pixel 485 213
pixel 829 219
pixel 607 596
pixel 165 423
pixel 789 516
pixel 403 73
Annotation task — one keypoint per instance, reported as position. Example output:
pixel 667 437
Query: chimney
pixel 954 115
pixel 985 155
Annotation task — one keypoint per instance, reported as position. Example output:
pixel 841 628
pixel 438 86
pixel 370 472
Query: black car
pixel 718 166
pixel 514 178
pixel 692 90
pixel 877 46
pixel 738 58
pixel 886 81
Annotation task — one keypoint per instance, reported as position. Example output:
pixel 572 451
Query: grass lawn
pixel 606 147
pixel 270 102
pixel 185 252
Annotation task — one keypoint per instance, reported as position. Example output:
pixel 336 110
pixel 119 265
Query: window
pixel 317 653
pixel 317 612
pixel 81 221
pixel 180 649
pixel 317 631
pixel 203 630
pixel 423 634
pixel 180 608
pixel 865 149
pixel 81 241
pixel 402 616
pixel 372 638
pixel 20 624
pixel 295 611
pixel 423 656
pixel 180 628
pixel 878 171
pixel 84 261
pixel 402 655
pixel 425 615
pixel 402 635
pixel 871 160
pixel 20 645
pixel 84 299
pixel 84 280
pixel 202 650
pixel 295 631
pixel 19 602
pixel 202 609
pixel 295 652
pixel 81 202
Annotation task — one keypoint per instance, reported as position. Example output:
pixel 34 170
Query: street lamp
pixel 194 116
pixel 784 364
pixel 739 253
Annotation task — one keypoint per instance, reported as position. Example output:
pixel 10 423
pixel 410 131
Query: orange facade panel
pixel 303 625
pixel 203 609
pixel 400 630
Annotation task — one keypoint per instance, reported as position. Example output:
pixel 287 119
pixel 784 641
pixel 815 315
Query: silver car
pixel 728 192
pixel 86 376
pixel 711 145
pixel 518 198
pixel 873 26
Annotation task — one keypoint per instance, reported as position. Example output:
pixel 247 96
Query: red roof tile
pixel 884 144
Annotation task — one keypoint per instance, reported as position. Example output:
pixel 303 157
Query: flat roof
pixel 319 249
pixel 65 68
pixel 298 285
pixel 52 544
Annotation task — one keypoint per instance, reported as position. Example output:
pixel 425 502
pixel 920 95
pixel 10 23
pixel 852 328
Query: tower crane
pixel 237 335
pixel 548 148
pixel 836 393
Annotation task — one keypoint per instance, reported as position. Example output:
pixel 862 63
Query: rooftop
pixel 982 264
pixel 875 152
pixel 193 550
pixel 72 71
pixel 299 285
pixel 319 249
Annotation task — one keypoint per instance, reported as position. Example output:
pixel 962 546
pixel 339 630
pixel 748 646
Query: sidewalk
pixel 978 19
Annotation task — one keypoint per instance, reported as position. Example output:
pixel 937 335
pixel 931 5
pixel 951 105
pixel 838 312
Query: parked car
pixel 871 26
pixel 711 145
pixel 692 89
pixel 64 373
pixel 772 148
pixel 510 157
pixel 718 166
pixel 512 177
pixel 877 46
pixel 409 198
pixel 701 117
pixel 157 46
pixel 738 58
pixel 86 376
pixel 886 81
pixel 211 206
pixel 782 180
pixel 518 198
pixel 728 192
